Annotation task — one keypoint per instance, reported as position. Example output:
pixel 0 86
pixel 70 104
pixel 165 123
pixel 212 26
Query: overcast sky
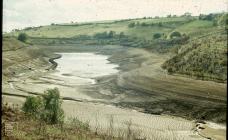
pixel 23 13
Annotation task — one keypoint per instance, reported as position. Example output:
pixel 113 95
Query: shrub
pixel 102 35
pixel 160 24
pixel 47 108
pixel 121 34
pixel 111 34
pixel 131 25
pixel 143 24
pixel 209 17
pixel 53 112
pixel 157 35
pixel 175 34
pixel 32 105
pixel 22 37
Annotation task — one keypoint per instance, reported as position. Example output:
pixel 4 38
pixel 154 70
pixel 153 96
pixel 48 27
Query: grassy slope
pixel 191 26
pixel 182 24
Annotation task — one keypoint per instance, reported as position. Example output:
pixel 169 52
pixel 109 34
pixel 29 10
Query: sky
pixel 18 14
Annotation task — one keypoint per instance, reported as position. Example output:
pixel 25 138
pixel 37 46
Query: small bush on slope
pixel 22 37
pixel 47 108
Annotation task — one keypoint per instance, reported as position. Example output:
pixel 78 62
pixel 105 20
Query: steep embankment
pixel 20 58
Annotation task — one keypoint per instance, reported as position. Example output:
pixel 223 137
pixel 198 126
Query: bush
pixel 102 35
pixel 47 108
pixel 157 35
pixel 52 106
pixel 32 105
pixel 22 37
pixel 131 25
pixel 111 34
pixel 175 34
pixel 144 24
pixel 160 24
pixel 121 34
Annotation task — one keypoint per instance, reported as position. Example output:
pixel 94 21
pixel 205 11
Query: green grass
pixel 71 30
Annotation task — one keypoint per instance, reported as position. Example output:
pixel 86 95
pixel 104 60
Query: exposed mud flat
pixel 139 84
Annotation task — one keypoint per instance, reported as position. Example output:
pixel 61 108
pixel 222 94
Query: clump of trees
pixel 106 35
pixel 204 58
pixel 131 25
pixel 175 34
pixel 47 108
pixel 157 35
pixel 22 37
pixel 144 24
pixel 209 17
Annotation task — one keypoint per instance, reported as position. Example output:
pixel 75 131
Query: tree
pixel 157 35
pixel 111 34
pixel 131 25
pixel 187 14
pixel 175 34
pixel 22 37
pixel 144 24
pixel 121 34
pixel 209 17
pixel 53 112
pixel 102 35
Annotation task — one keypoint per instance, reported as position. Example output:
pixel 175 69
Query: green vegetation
pixel 28 126
pixel 22 37
pixel 157 35
pixel 47 108
pixel 33 105
pixel 204 58
pixel 175 34
pixel 131 25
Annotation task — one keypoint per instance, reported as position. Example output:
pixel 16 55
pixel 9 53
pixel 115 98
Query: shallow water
pixel 84 67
